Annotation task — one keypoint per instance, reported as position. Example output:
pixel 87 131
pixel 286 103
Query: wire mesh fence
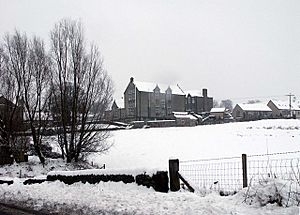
pixel 214 174
pixel 273 166
pixel 226 174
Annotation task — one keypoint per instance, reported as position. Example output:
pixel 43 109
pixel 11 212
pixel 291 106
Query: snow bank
pixel 133 172
pixel 282 192
pixel 118 198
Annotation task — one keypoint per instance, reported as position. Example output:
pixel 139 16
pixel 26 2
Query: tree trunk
pixel 36 144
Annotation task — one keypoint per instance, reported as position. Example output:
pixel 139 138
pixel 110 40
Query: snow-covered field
pixel 152 148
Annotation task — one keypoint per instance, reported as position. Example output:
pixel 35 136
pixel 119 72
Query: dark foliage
pixel 6 182
pixel 159 181
pixel 92 179
pixel 34 181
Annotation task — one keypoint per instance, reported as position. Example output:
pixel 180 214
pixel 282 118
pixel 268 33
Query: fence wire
pixel 283 168
pixel 226 174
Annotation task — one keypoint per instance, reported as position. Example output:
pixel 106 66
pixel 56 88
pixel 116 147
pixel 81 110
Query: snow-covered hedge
pixel 157 179
pixel 9 182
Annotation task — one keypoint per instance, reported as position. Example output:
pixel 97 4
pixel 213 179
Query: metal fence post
pixel 244 166
pixel 174 176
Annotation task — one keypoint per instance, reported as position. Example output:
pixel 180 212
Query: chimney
pixel 131 80
pixel 204 93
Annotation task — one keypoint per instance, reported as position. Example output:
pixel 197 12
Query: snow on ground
pixel 33 168
pixel 152 148
pixel 120 198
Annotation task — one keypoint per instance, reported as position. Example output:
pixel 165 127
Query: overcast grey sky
pixel 235 48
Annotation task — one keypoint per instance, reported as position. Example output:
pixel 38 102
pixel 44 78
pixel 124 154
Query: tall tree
pixel 11 63
pixel 29 69
pixel 82 85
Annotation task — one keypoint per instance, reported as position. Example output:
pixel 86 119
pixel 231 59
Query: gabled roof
pixel 149 87
pixel 5 101
pixel 255 107
pixel 194 93
pixel 285 105
pixel 119 103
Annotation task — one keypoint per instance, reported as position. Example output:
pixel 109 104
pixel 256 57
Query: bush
pixel 159 181
pixel 92 179
pixel 9 182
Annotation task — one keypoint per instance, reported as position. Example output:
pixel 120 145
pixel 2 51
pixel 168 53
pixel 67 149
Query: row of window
pixel 190 100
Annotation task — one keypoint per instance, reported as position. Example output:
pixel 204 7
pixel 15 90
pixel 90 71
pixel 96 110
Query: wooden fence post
pixel 244 166
pixel 174 176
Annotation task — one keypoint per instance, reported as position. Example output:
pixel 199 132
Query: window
pixel 163 103
pixel 157 111
pixel 169 103
pixel 131 111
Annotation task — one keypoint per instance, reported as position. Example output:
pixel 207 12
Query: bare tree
pixel 215 104
pixel 29 70
pixel 227 104
pixel 253 101
pixel 1 61
pixel 11 88
pixel 81 85
pixel 35 83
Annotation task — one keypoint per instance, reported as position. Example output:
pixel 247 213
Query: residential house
pixel 247 112
pixel 11 114
pixel 282 109
pixel 117 112
pixel 11 119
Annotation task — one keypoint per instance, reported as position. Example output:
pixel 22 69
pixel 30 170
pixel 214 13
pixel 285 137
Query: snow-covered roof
pixel 180 113
pixel 149 87
pixel 255 107
pixel 194 93
pixel 218 110
pixel 184 115
pixel 285 105
pixel 161 120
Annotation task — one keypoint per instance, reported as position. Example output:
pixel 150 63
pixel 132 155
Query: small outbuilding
pixel 248 112
pixel 185 119
pixel 219 113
